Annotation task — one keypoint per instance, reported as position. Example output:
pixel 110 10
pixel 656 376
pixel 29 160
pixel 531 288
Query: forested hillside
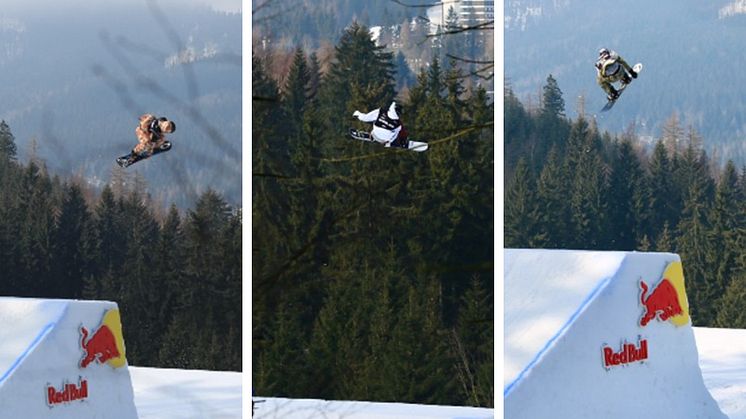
pixel 570 185
pixel 175 275
pixel 404 29
pixel 372 268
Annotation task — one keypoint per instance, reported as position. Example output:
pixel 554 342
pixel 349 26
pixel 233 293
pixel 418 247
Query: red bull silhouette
pixel 101 347
pixel 663 302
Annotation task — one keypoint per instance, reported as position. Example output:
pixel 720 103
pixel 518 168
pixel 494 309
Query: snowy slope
pixel 184 394
pixel 722 357
pixel 172 394
pixel 272 408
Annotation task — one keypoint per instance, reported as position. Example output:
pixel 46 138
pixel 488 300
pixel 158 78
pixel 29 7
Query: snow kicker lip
pixel 105 344
pixel 667 302
pixel 40 348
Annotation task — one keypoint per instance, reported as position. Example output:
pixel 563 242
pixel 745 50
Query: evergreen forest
pixel 176 276
pixel 570 186
pixel 372 268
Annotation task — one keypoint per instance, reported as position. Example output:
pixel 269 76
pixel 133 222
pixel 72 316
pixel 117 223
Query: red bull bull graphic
pixel 106 344
pixel 667 302
pixel 628 354
pixel 69 393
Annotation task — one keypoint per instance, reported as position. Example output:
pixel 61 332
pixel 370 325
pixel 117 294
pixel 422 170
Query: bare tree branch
pixel 425 5
pixel 469 61
pixel 457 135
pixel 173 36
pixel 265 98
pixel 484 26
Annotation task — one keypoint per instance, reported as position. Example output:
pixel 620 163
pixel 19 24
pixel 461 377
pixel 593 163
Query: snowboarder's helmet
pixel 166 126
pixel 603 53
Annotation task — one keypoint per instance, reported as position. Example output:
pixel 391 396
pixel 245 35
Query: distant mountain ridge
pixel 75 81
pixel 692 52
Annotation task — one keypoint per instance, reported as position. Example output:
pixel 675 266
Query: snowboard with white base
pixel 365 136
pixel 637 68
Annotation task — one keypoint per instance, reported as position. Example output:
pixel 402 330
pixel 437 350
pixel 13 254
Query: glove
pixel 356 114
pixel 633 73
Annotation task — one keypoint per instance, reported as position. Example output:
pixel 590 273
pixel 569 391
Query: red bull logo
pixel 106 344
pixel 68 393
pixel 668 300
pixel 628 354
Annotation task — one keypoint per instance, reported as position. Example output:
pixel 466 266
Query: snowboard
pixel 125 160
pixel 610 104
pixel 365 136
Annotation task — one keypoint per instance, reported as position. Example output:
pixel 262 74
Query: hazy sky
pixel 15 6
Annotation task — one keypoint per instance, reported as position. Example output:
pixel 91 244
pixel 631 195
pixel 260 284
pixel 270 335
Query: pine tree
pixel 673 134
pixel 7 143
pixel 404 76
pixel 552 104
pixel 522 210
pixel 208 288
pixel 662 193
pixel 472 344
pixel 141 235
pixel 284 356
pixel 334 347
pixel 727 223
pixel 35 205
pixel 666 240
pixel 693 247
pixel 162 290
pixel 452 44
pixel 588 187
pixel 361 78
pixel 623 219
pixel 516 132
pixel 730 313
pixel 418 345
pixel 314 73
pixel 69 260
pixel 295 95
pixel 108 230
pixel 554 217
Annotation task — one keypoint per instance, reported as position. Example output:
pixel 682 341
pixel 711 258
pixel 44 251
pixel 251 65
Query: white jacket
pixel 379 134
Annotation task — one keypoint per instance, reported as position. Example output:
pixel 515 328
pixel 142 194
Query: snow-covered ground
pixel 183 394
pixel 280 408
pixel 722 358
pixel 171 394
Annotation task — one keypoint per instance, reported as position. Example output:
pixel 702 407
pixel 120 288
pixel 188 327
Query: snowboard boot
pixel 129 159
pixel 614 95
pixel 123 161
pixel 398 143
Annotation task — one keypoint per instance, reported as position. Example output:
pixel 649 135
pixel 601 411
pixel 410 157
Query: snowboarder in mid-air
pixel 151 136
pixel 387 127
pixel 612 68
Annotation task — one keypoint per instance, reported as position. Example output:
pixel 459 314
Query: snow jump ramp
pixel 63 359
pixel 600 335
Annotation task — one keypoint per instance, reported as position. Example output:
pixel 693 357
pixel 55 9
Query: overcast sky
pixel 9 7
